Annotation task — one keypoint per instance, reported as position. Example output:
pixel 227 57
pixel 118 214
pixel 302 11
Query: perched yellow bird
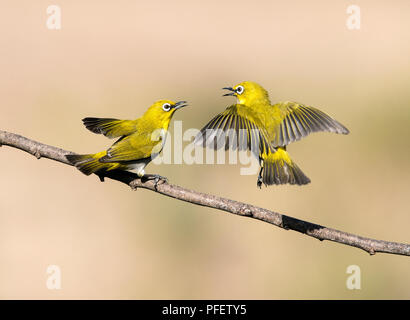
pixel 139 142
pixel 266 129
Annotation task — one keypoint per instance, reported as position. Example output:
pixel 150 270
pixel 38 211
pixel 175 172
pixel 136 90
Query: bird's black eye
pixel 166 107
pixel 239 89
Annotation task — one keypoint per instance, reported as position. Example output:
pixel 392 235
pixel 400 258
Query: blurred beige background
pixel 113 59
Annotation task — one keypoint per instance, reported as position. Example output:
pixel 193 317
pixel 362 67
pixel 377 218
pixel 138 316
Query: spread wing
pixel 109 127
pixel 298 121
pixel 235 129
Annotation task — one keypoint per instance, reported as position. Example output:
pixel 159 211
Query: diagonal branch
pixel 242 209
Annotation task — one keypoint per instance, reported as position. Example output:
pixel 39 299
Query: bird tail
pixel 278 168
pixel 89 163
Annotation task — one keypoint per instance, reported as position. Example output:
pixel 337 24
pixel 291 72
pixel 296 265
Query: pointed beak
pixel 180 104
pixel 232 93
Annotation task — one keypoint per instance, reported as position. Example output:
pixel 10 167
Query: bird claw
pixel 159 178
pixel 156 177
pixel 259 183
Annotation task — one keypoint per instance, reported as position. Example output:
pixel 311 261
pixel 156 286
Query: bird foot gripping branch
pixel 156 177
pixel 145 178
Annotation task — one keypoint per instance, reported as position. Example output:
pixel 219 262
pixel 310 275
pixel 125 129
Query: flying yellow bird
pixel 140 141
pixel 266 129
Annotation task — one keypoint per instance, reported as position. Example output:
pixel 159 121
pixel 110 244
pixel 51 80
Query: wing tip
pixel 345 130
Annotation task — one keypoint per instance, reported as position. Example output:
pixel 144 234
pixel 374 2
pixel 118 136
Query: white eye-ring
pixel 166 107
pixel 239 90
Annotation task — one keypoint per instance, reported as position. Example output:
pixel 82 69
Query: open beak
pixel 180 104
pixel 232 93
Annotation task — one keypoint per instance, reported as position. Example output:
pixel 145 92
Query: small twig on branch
pixel 286 222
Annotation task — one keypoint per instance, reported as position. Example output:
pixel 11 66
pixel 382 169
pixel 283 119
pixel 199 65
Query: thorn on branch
pixel 37 154
pixel 247 212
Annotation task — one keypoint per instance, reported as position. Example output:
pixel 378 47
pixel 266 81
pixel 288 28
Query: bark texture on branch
pixel 280 220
